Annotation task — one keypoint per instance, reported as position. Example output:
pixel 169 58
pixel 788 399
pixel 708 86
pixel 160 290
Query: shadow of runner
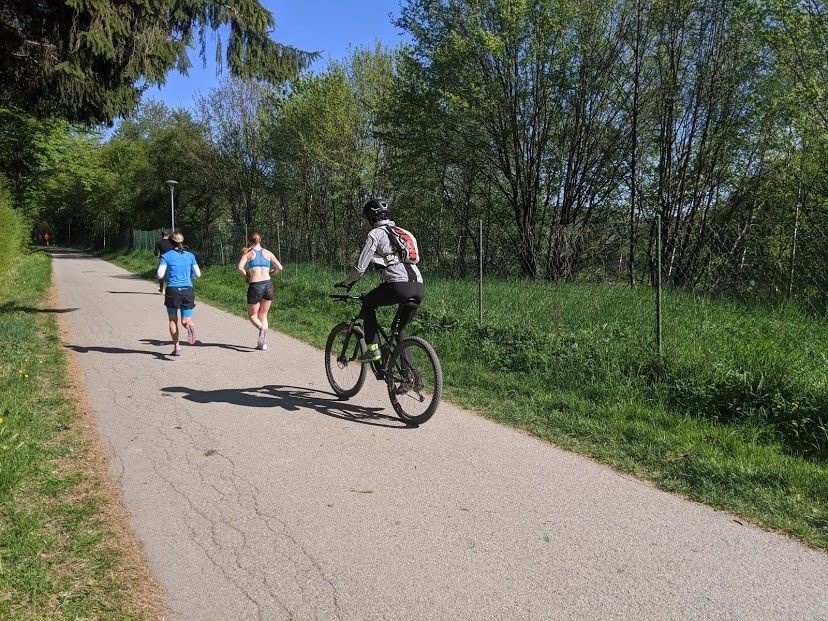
pixel 240 348
pixel 292 399
pixel 12 307
pixel 134 293
pixel 115 350
pixel 129 276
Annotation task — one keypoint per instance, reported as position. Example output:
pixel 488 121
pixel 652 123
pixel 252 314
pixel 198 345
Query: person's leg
pixel 187 322
pixel 253 315
pixel 407 292
pixel 264 307
pixel 409 296
pixel 172 316
pixel 381 296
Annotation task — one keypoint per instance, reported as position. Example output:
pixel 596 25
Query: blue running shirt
pixel 179 268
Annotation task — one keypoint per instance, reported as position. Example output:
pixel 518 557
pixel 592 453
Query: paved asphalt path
pixel 257 495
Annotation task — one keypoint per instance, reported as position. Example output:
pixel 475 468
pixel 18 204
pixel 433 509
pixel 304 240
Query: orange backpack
pixel 404 243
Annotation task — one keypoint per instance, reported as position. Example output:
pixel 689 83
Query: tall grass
pixel 734 415
pixel 11 232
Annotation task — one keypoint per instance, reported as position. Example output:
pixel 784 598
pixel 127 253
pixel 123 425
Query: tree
pixel 234 115
pixel 499 62
pixel 90 61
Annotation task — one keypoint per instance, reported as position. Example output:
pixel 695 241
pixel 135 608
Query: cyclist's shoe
pixel 372 354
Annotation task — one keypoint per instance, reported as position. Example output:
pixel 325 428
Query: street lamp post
pixel 171 184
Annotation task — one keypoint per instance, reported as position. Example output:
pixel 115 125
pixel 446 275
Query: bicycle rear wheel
pixel 415 380
pixel 346 374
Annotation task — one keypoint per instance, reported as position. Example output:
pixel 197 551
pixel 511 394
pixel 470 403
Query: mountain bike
pixel 409 366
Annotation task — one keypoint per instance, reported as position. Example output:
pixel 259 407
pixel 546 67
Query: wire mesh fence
pixel 744 313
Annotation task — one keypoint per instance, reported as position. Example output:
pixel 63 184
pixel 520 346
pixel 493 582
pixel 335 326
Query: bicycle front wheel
pixel 415 380
pixel 346 374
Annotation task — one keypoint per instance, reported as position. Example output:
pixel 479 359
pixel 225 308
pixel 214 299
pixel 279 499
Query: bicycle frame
pixel 355 328
pixel 420 379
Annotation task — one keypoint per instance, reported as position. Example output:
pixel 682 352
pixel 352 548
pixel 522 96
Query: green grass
pixel 55 559
pixel 734 417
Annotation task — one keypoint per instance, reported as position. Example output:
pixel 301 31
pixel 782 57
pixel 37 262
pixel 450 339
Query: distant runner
pixel 177 267
pixel 163 245
pixel 46 238
pixel 256 265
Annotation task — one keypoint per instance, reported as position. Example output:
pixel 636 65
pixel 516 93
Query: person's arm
pixel 242 262
pixel 162 268
pixel 368 251
pixel 196 270
pixel 275 266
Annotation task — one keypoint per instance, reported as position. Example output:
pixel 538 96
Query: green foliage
pixel 90 61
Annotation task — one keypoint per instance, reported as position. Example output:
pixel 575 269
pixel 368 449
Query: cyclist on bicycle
pixel 401 282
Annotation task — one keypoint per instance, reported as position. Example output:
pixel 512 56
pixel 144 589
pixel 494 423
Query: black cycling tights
pixel 388 294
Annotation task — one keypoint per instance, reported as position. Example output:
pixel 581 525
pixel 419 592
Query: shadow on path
pixel 128 276
pixel 240 348
pixel 292 399
pixel 12 307
pixel 115 350
pixel 67 253
pixel 134 293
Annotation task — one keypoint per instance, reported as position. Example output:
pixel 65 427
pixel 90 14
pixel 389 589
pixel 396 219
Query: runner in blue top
pixel 177 267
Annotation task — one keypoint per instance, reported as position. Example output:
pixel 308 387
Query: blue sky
pixel 327 26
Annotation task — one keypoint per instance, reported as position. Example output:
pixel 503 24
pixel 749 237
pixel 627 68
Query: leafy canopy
pixel 90 60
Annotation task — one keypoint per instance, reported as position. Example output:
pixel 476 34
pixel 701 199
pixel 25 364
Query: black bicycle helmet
pixel 376 209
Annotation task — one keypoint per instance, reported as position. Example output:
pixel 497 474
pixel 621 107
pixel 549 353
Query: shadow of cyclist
pixel 292 399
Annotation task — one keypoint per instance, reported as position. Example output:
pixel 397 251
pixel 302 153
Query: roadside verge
pixel 66 550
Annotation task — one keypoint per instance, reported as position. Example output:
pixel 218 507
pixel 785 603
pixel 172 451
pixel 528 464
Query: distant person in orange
pixel 46 238
pixel 256 265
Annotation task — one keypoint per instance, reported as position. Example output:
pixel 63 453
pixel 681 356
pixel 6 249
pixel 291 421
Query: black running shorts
pixel 258 291
pixel 179 298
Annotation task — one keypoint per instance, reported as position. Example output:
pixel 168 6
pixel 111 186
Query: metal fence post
pixel 480 273
pixel 658 288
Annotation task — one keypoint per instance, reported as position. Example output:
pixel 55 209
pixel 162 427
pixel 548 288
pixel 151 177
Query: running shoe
pixel 263 347
pixel 191 335
pixel 176 352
